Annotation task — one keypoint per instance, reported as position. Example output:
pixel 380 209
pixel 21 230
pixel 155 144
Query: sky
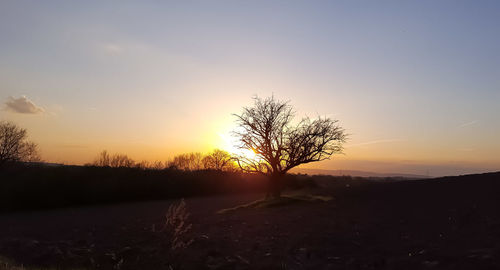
pixel 416 84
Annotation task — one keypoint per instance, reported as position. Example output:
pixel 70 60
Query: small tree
pixel 147 165
pixel 121 161
pixel 266 128
pixel 14 145
pixel 115 161
pixel 218 160
pixel 186 162
pixel 102 160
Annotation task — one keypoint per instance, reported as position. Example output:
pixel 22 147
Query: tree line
pixel 16 147
pixel 216 160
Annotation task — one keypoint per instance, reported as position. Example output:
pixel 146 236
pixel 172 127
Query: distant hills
pixel 355 173
pixel 311 172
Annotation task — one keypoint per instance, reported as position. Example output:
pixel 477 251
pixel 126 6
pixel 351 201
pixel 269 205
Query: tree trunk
pixel 275 186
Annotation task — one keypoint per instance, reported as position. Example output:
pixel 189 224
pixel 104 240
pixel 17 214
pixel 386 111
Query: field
pixel 445 223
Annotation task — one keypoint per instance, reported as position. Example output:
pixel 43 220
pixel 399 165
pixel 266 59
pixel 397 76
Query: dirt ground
pixel 426 224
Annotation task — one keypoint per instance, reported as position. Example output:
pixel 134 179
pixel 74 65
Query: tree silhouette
pixel 218 160
pixel 186 162
pixel 102 160
pixel 267 129
pixel 14 145
pixel 115 161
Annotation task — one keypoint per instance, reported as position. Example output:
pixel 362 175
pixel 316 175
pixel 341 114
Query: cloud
pixel 376 142
pixel 468 124
pixel 112 48
pixel 22 105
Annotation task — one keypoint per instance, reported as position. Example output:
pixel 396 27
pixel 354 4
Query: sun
pixel 228 143
pixel 247 153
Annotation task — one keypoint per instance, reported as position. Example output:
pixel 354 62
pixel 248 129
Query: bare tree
pixel 148 165
pixel 267 129
pixel 30 152
pixel 102 160
pixel 143 165
pixel 186 162
pixel 218 160
pixel 121 160
pixel 14 145
pixel 157 165
pixel 115 161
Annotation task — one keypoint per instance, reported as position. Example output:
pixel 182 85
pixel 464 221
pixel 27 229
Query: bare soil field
pixel 446 223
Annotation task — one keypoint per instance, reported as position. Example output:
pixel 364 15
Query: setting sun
pixel 230 144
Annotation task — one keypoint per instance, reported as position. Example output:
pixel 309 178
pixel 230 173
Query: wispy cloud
pixel 23 105
pixel 376 142
pixel 112 48
pixel 468 124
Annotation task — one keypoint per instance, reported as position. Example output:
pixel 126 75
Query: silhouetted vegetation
pixel 215 160
pixel 14 145
pixel 186 162
pixel 36 187
pixel 219 160
pixel 267 129
pixel 115 161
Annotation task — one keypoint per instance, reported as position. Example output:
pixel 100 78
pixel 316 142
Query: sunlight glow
pixel 229 144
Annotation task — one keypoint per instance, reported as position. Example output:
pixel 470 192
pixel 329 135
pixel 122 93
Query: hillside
pixel 442 223
pixel 356 173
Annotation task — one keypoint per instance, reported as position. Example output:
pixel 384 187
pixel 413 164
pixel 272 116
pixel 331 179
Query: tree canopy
pixel 267 128
pixel 14 145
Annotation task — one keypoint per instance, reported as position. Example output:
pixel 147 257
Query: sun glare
pixel 250 154
pixel 229 144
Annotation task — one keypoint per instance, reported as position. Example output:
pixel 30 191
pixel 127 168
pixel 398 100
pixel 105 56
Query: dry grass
pixel 177 231
pixel 281 201
pixel 177 226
